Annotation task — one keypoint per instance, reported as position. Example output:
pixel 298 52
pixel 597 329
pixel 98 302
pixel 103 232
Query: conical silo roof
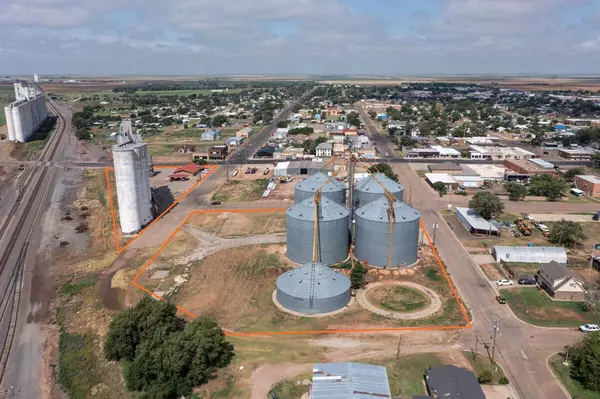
pixel 313 279
pixel 328 210
pixel 369 184
pixel 333 189
pixel 377 211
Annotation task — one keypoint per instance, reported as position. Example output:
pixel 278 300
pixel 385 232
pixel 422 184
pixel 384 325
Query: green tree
pixel 440 188
pixel 516 191
pixel 219 120
pixel 596 157
pixel 353 119
pixel 357 276
pixel 571 173
pixel 372 114
pixel 487 205
pixel 384 168
pixel 585 359
pixel 566 233
pixel 548 186
pixel 282 124
pixel 130 327
pixel 170 365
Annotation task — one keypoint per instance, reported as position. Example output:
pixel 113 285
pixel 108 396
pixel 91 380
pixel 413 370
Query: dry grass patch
pixel 398 298
pixel 240 224
pixel 240 191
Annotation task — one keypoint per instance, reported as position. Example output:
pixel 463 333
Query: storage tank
pixel 334 237
pixel 132 176
pixel 368 189
pixel 372 234
pixel 9 123
pixel 313 288
pixel 307 188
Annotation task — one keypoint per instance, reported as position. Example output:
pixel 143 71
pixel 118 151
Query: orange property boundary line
pixel 305 332
pixel 120 249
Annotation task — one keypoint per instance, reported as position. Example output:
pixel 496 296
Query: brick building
pixel 589 184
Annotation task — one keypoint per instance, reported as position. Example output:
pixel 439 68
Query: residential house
pixel 452 382
pixel 397 128
pixel 185 148
pixel 560 283
pixel 324 150
pixel 211 135
pixel 234 141
pixel 338 148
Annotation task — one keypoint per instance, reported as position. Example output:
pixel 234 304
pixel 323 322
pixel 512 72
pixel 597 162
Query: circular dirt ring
pixel 432 304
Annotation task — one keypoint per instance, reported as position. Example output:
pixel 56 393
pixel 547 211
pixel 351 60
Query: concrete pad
pixel 482 259
pixel 160 294
pixel 159 275
pixel 554 217
pixel 499 392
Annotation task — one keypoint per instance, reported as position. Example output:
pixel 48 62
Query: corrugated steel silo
pixel 372 232
pixel 313 288
pixel 307 188
pixel 368 189
pixel 334 235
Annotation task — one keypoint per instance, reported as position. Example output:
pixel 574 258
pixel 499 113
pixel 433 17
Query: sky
pixel 316 37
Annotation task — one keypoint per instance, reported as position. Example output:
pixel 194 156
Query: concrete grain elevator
pixel 132 175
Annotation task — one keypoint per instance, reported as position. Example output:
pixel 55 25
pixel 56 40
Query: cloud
pixel 590 45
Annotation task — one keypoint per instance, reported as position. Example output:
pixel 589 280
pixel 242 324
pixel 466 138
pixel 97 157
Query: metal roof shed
pixel 529 254
pixel 281 169
pixel 474 222
pixel 349 381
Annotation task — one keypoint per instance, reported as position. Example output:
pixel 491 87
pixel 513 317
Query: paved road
pixel 248 149
pixel 522 348
pixel 382 142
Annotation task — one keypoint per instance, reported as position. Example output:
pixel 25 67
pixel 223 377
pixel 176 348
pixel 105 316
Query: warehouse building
pixel 450 168
pixel 349 381
pixel 589 184
pixel 525 254
pixel 448 181
pixel 292 168
pixel 245 132
pixel 525 167
pixel 487 172
pixel 572 154
pixel 474 223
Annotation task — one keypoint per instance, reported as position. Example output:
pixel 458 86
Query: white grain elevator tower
pixel 132 175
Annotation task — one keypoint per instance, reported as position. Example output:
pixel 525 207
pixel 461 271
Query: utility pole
pixel 435 227
pixel 496 328
pixel 398 352
pixel 476 342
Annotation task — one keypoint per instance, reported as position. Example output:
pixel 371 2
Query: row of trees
pixel 165 356
pixel 541 185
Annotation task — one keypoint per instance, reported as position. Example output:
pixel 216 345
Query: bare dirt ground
pixel 239 224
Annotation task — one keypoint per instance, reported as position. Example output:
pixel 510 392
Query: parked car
pixel 527 281
pixel 501 299
pixel 502 282
pixel 589 328
pixel 216 203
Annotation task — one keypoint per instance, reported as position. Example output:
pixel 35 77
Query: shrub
pixel 485 377
pixel 503 381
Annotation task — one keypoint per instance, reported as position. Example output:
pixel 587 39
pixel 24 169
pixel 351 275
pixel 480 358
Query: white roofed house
pixel 324 150
pixel 560 283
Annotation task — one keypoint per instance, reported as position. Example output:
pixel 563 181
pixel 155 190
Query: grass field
pixel 481 363
pixel 535 307
pixel 563 373
pixel 398 298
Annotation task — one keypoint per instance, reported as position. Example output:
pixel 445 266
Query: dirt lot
pixel 240 191
pixel 239 224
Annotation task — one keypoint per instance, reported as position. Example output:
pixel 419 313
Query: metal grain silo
pixel 313 288
pixel 368 189
pixel 372 234
pixel 307 188
pixel 334 236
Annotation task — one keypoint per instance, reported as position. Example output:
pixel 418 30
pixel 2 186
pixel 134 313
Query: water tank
pixel 313 288
pixel 334 237
pixel 372 234
pixel 334 189
pixel 369 189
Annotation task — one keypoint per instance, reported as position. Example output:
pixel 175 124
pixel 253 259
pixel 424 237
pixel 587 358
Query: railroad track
pixel 10 301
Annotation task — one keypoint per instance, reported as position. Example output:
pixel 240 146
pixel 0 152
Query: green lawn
pixel 482 363
pixel 535 307
pixel 406 375
pixel 563 372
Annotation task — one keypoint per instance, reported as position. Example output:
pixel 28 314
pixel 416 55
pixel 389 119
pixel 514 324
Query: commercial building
pixel 450 168
pixel 446 152
pixel 487 172
pixel 234 141
pixel 484 140
pixel 324 150
pixel 589 184
pixel 349 381
pixel 449 181
pixel 474 223
pixel 281 133
pixel 579 154
pixel 525 167
pixel 560 283
pixel 132 175
pixel 26 114
pixel 525 254
pixel 216 153
pixel 423 153
pixel 542 163
pixel 452 382
pixel 499 153
pixel 245 132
